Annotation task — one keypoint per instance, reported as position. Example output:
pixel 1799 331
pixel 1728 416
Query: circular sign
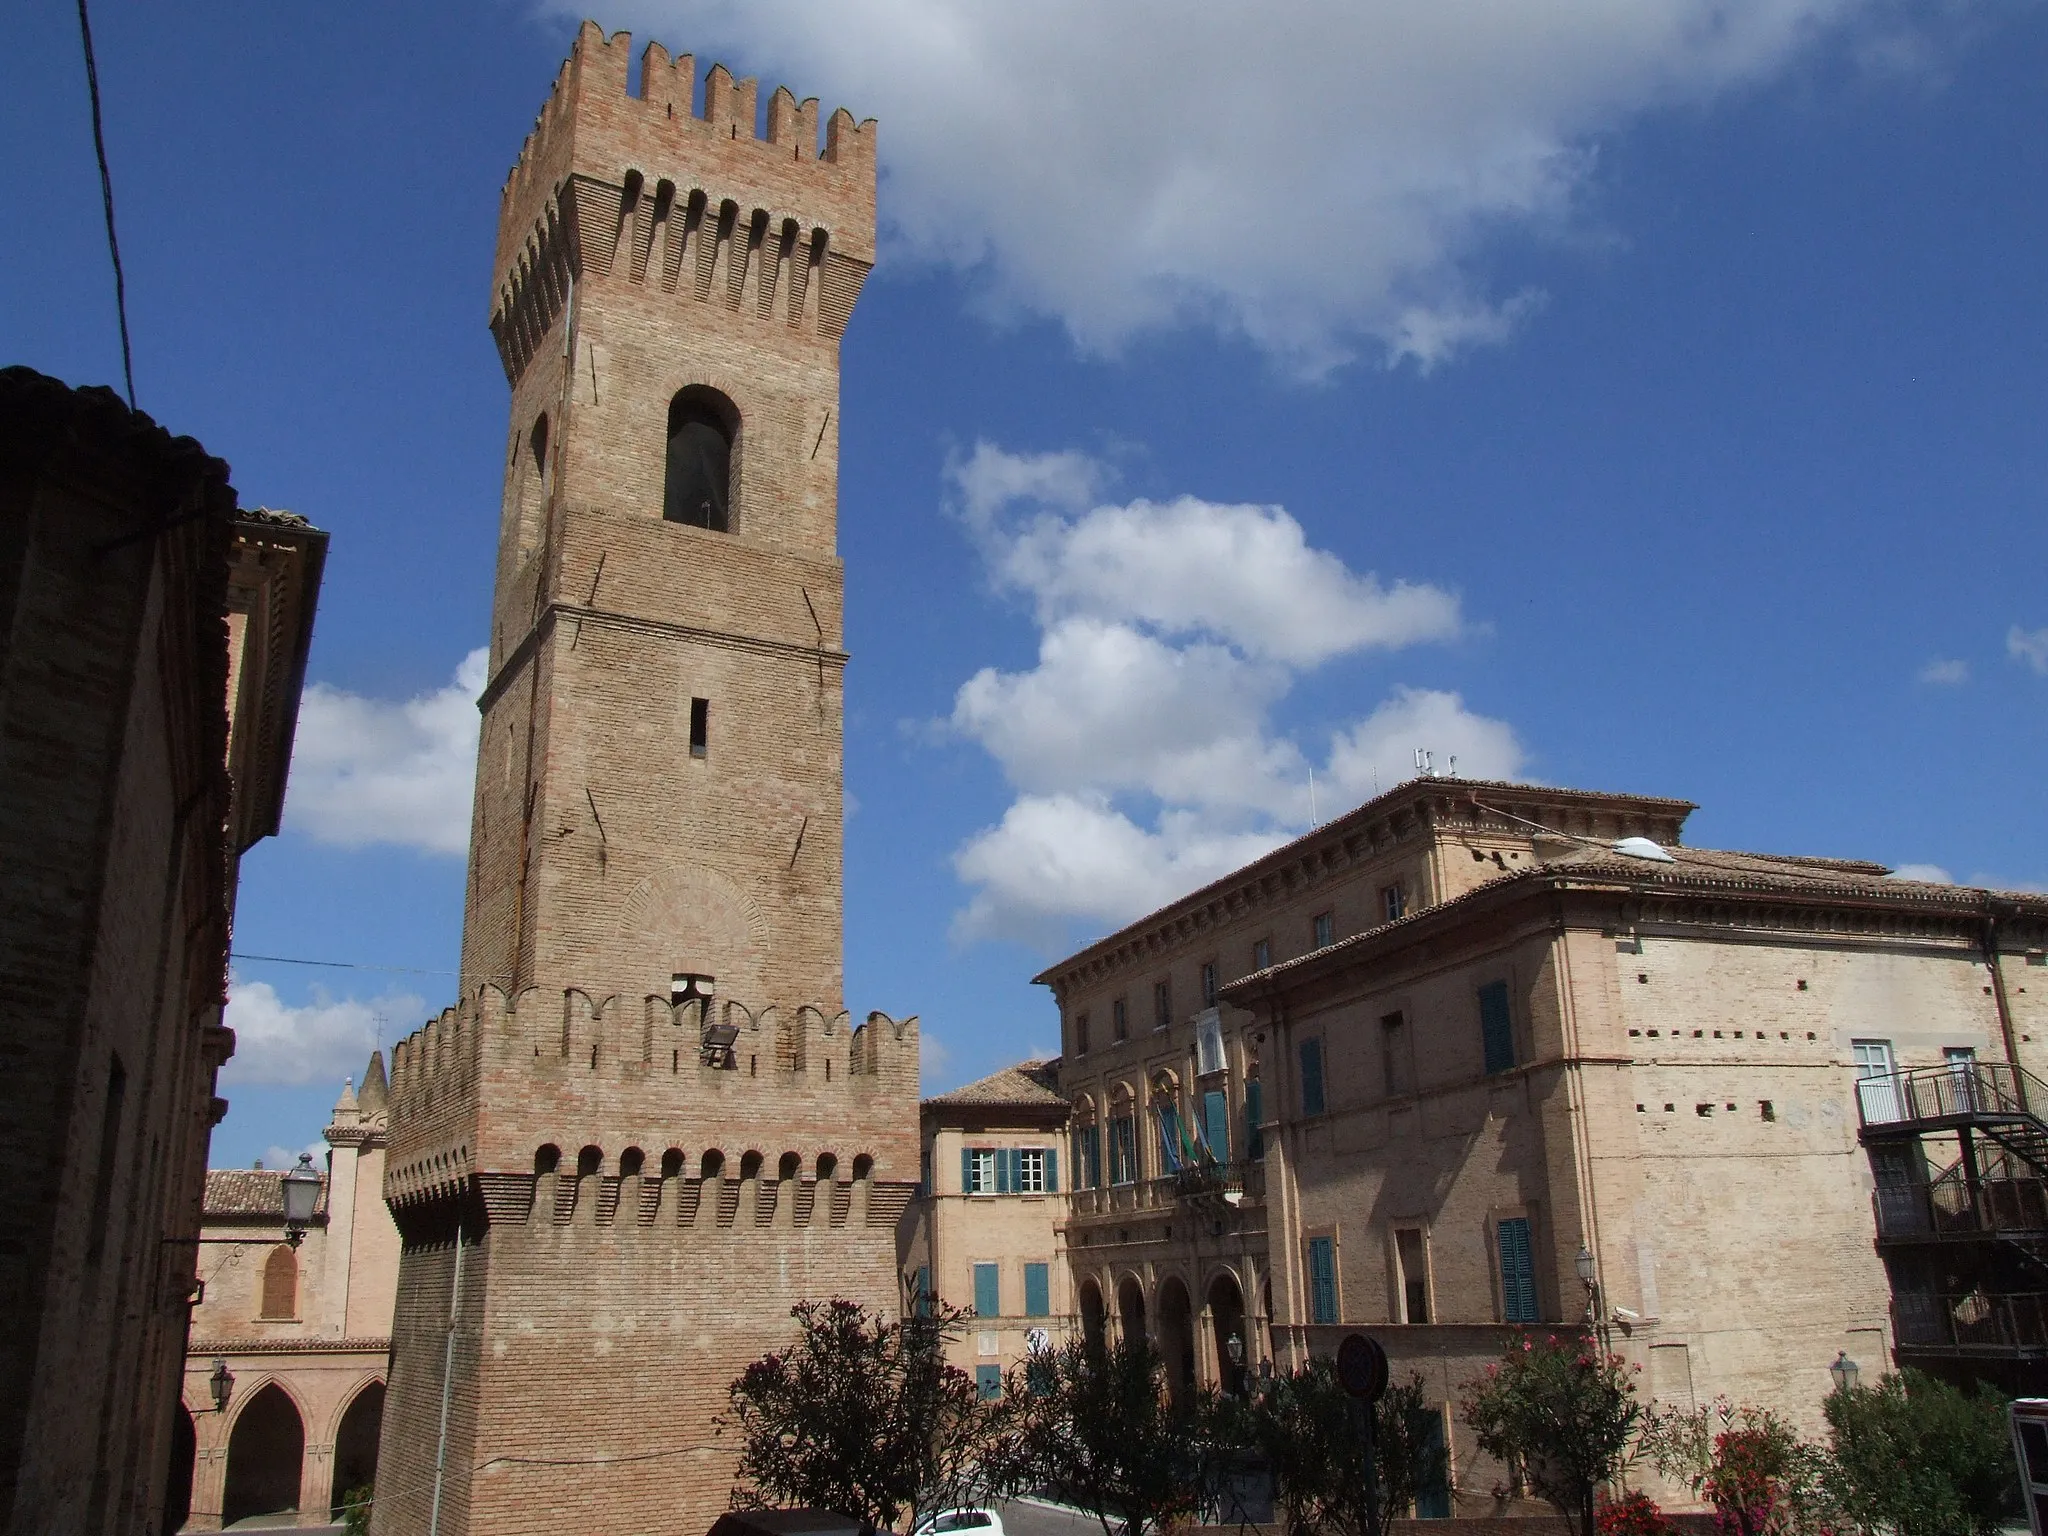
pixel 1362 1367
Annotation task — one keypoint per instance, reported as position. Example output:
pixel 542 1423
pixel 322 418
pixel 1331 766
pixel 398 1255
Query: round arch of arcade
pixel 294 1440
pixel 1192 1319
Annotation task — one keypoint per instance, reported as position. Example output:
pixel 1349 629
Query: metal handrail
pixel 1947 1206
pixel 1952 1091
pixel 1971 1321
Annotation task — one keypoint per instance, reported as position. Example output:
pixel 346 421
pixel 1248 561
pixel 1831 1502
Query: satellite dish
pixel 1643 848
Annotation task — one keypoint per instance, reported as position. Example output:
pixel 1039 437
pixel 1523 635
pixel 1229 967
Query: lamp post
pixel 1845 1371
pixel 301 1194
pixel 221 1383
pixel 1234 1347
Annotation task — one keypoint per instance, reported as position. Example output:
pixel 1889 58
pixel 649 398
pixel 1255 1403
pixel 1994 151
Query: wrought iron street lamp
pixel 1845 1371
pixel 301 1195
pixel 221 1383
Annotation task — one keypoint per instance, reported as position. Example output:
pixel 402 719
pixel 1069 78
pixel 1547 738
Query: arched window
pixel 701 427
pixel 281 1283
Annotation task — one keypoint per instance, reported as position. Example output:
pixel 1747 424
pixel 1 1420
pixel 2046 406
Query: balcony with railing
pixel 1233 1184
pixel 1953 1205
pixel 1971 1324
pixel 1955 1094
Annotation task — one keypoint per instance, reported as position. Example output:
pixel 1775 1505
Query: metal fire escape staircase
pixel 1967 1246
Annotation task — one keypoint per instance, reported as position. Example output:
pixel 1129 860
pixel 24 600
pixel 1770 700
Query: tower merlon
pixel 595 126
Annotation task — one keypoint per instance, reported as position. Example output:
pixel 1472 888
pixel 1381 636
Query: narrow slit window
pixel 700 727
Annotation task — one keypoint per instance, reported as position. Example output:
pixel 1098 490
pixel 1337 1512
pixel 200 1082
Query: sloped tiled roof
pixel 1029 1084
pixel 1710 871
pixel 251 1192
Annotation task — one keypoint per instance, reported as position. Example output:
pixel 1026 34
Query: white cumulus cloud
pixel 1927 874
pixel 282 1044
pixel 388 771
pixel 1140 744
pixel 2029 647
pixel 1945 674
pixel 1318 176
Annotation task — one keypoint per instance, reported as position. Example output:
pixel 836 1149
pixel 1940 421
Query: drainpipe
pixel 2004 1004
pixel 447 1383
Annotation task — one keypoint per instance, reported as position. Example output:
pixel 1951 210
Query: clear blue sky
pixel 1655 401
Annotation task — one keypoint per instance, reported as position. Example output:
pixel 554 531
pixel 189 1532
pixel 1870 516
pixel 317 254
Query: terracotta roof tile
pixel 251 1192
pixel 1029 1083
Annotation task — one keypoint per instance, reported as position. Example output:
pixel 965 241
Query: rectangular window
pixel 1037 1290
pixel 1209 984
pixel 1216 1123
pixel 1394 901
pixel 1323 928
pixel 1411 1260
pixel 1517 1270
pixel 924 1170
pixel 1394 1054
pixel 1088 1157
pixel 988 1382
pixel 1080 1034
pixel 1877 1091
pixel 700 726
pixel 1322 1279
pixel 977 1170
pixel 1496 1027
pixel 988 1291
pixel 1254 1121
pixel 1123 1150
pixel 1209 1042
pixel 923 1299
pixel 1433 1498
pixel 1031 1171
pixel 1312 1076
pixel 1262 954
pixel 1162 1004
pixel 1119 1020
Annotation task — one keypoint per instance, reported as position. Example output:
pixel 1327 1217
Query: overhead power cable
pixel 340 965
pixel 99 145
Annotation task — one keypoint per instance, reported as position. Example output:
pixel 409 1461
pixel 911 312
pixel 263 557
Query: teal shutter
pixel 1322 1279
pixel 1052 1170
pixel 1216 1129
pixel 924 1290
pixel 1433 1500
pixel 1517 1270
pixel 1312 1077
pixel 988 1382
pixel 967 1170
pixel 1496 1027
pixel 1254 1117
pixel 988 1291
pixel 1037 1291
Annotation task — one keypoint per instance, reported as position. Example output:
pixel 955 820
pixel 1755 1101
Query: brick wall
pixel 113 679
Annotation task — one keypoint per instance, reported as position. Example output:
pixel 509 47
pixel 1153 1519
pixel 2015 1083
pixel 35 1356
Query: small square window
pixel 1324 928
pixel 700 726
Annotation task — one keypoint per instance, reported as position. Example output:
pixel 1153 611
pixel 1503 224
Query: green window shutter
pixel 1496 1027
pixel 1312 1077
pixel 988 1382
pixel 988 1291
pixel 1216 1127
pixel 1037 1291
pixel 1254 1117
pixel 924 1290
pixel 1517 1270
pixel 1322 1279
pixel 1052 1170
pixel 967 1170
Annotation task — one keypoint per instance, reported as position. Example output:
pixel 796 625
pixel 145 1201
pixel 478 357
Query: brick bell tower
pixel 650 1126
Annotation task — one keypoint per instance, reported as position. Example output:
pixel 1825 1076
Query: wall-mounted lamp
pixel 1845 1371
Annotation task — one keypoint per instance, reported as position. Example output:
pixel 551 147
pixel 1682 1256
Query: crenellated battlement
pixel 703 201
pixel 476 1091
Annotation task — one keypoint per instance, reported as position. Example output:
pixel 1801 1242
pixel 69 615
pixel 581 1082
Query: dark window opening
pixel 110 1146
pixel 700 438
pixel 700 726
